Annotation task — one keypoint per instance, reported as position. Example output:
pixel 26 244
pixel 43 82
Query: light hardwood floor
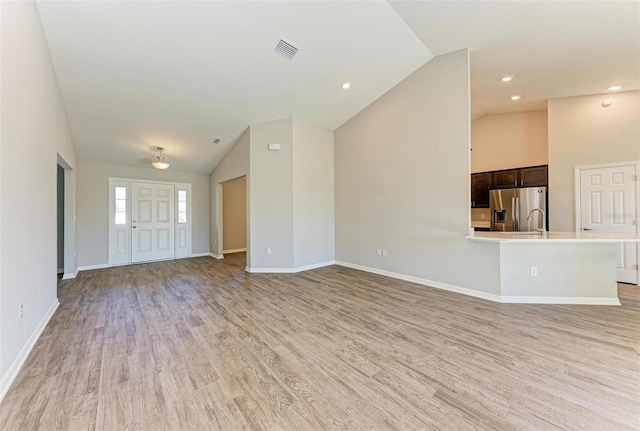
pixel 198 344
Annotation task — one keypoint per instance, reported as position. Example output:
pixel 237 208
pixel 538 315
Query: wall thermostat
pixel 274 147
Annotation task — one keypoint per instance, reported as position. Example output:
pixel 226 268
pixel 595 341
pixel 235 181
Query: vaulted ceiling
pixel 136 75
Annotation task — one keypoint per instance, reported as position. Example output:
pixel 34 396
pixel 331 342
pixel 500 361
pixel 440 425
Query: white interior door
pixel 608 205
pixel 152 222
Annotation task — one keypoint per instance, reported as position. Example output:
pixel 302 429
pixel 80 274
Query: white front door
pixel 152 222
pixel 608 205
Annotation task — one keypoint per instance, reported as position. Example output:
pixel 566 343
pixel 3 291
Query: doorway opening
pixel 234 216
pixel 60 217
pixel 66 223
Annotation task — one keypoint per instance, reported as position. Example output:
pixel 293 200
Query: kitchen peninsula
pixel 557 267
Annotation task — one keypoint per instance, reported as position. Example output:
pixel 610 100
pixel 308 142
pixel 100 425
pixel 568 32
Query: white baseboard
pixel 92 267
pixel 216 256
pixel 489 296
pixel 200 254
pixel 289 270
pixel 70 276
pixel 424 282
pixel 314 266
pixel 14 369
pixel 234 250
pixel 576 300
pixel 269 270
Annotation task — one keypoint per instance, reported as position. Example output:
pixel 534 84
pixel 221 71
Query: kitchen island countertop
pixel 559 237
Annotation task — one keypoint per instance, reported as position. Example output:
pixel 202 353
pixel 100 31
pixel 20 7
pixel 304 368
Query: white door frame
pixel 178 254
pixel 578 213
pixel 219 222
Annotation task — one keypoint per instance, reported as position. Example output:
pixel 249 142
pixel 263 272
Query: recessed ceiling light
pixel 615 87
pixel 516 97
pixel 507 78
pixel 346 85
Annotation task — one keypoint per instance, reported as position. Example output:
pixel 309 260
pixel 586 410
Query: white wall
pixel 271 195
pixel 34 131
pixel 402 169
pixel 93 206
pixel 5 380
pixel 582 133
pixel 313 194
pixel 504 141
pixel 290 194
pixel 234 164
pixel 568 270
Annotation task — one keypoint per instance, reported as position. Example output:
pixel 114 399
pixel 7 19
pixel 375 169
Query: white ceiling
pixel 136 75
pixel 551 48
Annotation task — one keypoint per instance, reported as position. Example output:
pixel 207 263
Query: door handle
pixel 133 227
pixel 586 228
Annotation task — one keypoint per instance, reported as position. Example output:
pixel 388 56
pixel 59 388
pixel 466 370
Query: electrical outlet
pixel 384 253
pixel 268 251
pixel 21 311
pixel 378 252
pixel 534 271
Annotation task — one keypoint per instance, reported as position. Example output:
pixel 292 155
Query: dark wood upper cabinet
pixel 506 179
pixel 480 186
pixel 534 176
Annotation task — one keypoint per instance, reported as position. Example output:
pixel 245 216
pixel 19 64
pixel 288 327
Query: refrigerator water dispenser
pixel 499 216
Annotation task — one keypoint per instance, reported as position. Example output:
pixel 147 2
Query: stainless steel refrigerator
pixel 511 207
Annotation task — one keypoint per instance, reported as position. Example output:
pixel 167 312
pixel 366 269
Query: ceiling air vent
pixel 285 49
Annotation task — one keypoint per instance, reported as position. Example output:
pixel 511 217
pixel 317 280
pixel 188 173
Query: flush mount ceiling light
pixel 160 163
pixel 506 78
pixel 614 88
pixel 346 85
pixel 516 97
